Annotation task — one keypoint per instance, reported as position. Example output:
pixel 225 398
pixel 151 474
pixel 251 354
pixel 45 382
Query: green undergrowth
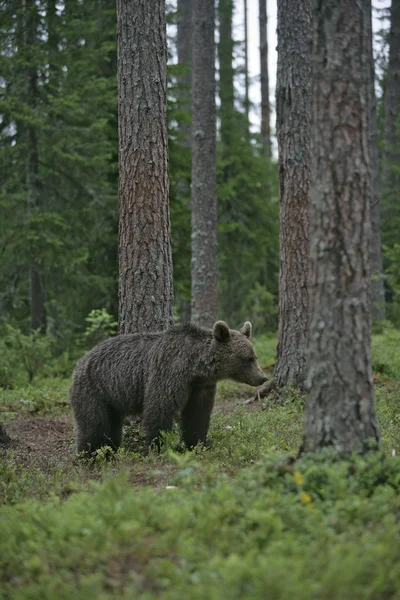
pixel 239 519
pixel 317 529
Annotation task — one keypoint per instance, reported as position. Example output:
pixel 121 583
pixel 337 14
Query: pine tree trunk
pixel 377 285
pixel 226 85
pixel 184 48
pixel 204 195
pixel 37 293
pixel 293 114
pixel 246 68
pixel 340 409
pixel 391 135
pixel 145 263
pixel 265 109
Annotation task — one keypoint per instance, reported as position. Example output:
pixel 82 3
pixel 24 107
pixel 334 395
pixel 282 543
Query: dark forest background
pixel 59 174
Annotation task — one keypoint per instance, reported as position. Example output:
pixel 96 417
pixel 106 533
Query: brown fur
pixel 163 376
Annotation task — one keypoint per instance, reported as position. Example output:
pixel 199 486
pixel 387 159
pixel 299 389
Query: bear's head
pixel 236 356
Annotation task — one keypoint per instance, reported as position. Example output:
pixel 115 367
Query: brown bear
pixel 167 375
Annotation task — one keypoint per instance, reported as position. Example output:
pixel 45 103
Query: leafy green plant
pixel 100 325
pixel 29 351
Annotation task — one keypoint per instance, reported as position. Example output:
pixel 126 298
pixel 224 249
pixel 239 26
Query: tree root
pixel 263 392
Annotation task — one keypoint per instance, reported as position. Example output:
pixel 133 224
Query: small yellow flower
pixel 306 499
pixel 298 478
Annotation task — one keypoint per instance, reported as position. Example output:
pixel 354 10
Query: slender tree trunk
pixel 340 409
pixel 265 108
pixel 246 68
pixel 391 131
pixel 145 263
pixel 377 285
pixel 204 195
pixel 52 44
pixel 37 293
pixel 184 48
pixel 293 112
pixel 226 84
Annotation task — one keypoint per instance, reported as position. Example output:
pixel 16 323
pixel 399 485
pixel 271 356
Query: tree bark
pixel 265 108
pixel 391 133
pixel 184 48
pixel 377 283
pixel 340 408
pixel 293 112
pixel 145 263
pixel 204 195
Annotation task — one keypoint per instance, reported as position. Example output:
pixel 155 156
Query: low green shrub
pixel 321 528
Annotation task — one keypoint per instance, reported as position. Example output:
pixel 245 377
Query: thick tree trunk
pixel 145 263
pixel 377 284
pixel 340 409
pixel 293 112
pixel 265 108
pixel 226 85
pixel 204 195
pixel 391 134
pixel 246 68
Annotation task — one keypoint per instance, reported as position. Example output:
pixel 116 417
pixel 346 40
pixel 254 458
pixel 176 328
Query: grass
pixel 239 519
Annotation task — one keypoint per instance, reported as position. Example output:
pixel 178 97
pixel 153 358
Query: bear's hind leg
pixel 157 421
pixel 102 427
pixel 196 415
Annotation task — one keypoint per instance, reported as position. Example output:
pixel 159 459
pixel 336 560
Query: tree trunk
pixel 184 48
pixel 37 294
pixel 226 85
pixel 391 135
pixel 265 110
pixel 246 68
pixel 340 409
pixel 204 195
pixel 377 285
pixel 293 114
pixel 145 263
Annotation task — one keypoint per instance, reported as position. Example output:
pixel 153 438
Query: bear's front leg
pixel 196 415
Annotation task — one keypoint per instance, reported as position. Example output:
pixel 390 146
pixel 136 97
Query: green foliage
pixel 100 325
pixel 321 528
pixel 29 352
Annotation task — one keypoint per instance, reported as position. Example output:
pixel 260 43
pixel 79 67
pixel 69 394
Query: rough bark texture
pixel 293 112
pixel 265 109
pixel 391 133
pixel 340 409
pixel 145 263
pixel 377 284
pixel 204 195
pixel 226 85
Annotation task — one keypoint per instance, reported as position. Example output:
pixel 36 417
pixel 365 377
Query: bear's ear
pixel 246 329
pixel 221 331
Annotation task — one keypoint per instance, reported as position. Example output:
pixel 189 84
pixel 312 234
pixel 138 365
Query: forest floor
pixel 239 519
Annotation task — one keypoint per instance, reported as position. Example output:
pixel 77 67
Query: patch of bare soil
pixel 41 442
